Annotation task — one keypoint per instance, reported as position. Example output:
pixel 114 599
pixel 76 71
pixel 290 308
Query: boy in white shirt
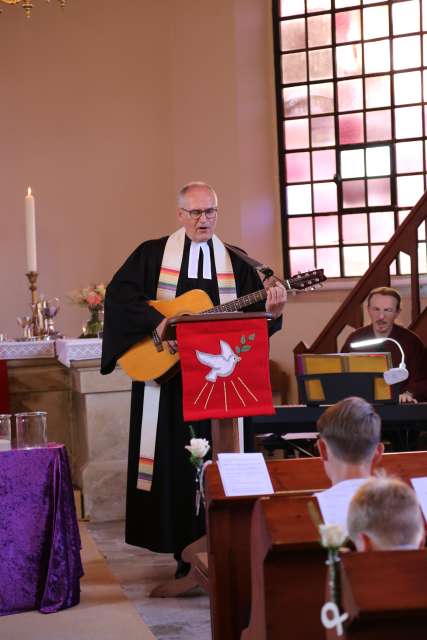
pixel 350 446
pixel 384 514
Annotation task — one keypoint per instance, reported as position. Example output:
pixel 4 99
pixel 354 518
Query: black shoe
pixel 182 569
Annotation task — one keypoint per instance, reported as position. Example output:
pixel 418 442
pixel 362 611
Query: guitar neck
pixel 240 303
pixel 244 301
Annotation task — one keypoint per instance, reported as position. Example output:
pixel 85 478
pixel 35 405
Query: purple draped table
pixel 40 565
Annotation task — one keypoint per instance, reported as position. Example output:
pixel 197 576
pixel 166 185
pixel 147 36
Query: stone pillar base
pixel 101 408
pixel 104 490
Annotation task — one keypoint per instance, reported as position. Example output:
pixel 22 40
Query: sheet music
pixel 334 502
pixel 306 435
pixel 244 474
pixel 420 486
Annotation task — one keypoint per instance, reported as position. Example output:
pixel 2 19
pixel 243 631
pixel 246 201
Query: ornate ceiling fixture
pixel 27 5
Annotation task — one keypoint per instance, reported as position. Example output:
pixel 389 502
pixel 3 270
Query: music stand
pixel 328 378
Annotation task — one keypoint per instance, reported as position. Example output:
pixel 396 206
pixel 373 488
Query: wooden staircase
pixel 378 275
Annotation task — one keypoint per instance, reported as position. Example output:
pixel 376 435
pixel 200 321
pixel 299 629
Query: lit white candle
pixel 30 228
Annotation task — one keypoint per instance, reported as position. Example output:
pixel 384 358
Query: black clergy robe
pixel 164 519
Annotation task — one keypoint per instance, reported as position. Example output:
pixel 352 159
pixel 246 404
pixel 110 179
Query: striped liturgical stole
pixel 166 290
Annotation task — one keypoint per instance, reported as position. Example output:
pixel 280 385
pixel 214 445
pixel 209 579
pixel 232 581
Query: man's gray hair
pixel 387 510
pixel 195 185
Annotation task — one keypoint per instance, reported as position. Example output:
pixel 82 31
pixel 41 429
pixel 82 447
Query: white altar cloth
pixel 65 349
pixel 15 350
pixel 77 349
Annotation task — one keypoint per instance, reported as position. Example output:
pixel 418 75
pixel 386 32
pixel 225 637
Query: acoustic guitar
pixel 144 362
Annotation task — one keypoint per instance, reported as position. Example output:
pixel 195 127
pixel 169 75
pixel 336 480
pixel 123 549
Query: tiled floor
pixel 138 571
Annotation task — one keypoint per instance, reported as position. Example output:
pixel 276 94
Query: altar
pixel 87 412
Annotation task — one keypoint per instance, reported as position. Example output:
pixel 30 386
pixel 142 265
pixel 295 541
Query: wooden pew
pixel 228 531
pixel 288 571
pixel 385 595
pixel 228 523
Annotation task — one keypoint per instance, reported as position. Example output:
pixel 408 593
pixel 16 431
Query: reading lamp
pixel 394 375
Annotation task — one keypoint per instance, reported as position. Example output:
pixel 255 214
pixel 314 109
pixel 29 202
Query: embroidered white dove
pixel 221 365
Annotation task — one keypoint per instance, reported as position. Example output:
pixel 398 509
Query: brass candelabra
pixel 40 324
pixel 36 320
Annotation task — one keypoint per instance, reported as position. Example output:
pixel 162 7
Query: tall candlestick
pixel 30 228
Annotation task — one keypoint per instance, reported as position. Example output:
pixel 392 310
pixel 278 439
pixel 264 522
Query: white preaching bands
pixel 193 260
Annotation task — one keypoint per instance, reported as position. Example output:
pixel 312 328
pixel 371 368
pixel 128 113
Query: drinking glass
pixel 5 423
pixel 26 322
pixel 31 429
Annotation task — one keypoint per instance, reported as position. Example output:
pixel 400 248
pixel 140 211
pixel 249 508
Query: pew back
pixel 288 571
pixel 385 595
pixel 228 521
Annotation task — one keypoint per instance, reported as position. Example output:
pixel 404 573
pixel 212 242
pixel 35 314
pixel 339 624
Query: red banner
pixel 225 369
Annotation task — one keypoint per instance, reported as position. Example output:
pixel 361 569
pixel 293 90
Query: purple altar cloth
pixel 40 566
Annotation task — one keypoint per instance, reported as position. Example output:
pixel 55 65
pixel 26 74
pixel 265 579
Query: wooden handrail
pixel 350 312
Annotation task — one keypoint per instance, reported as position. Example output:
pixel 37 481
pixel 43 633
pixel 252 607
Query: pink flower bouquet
pixel 92 297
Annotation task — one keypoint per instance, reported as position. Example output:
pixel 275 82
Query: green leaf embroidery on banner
pixel 237 349
pixel 243 340
pixel 246 348
pixel 252 336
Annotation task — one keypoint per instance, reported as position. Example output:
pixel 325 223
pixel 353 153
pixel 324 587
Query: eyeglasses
pixel 195 214
pixel 386 312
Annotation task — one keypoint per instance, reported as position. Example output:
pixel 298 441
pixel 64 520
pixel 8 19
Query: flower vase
pixel 334 579
pixel 95 325
pixel 198 492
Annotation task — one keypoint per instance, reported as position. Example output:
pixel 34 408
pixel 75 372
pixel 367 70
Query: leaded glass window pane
pixel 353 102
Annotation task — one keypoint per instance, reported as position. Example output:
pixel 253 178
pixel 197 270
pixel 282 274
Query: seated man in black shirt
pixel 384 306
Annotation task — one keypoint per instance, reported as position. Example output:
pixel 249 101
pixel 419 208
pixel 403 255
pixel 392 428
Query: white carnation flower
pixel 198 447
pixel 332 536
